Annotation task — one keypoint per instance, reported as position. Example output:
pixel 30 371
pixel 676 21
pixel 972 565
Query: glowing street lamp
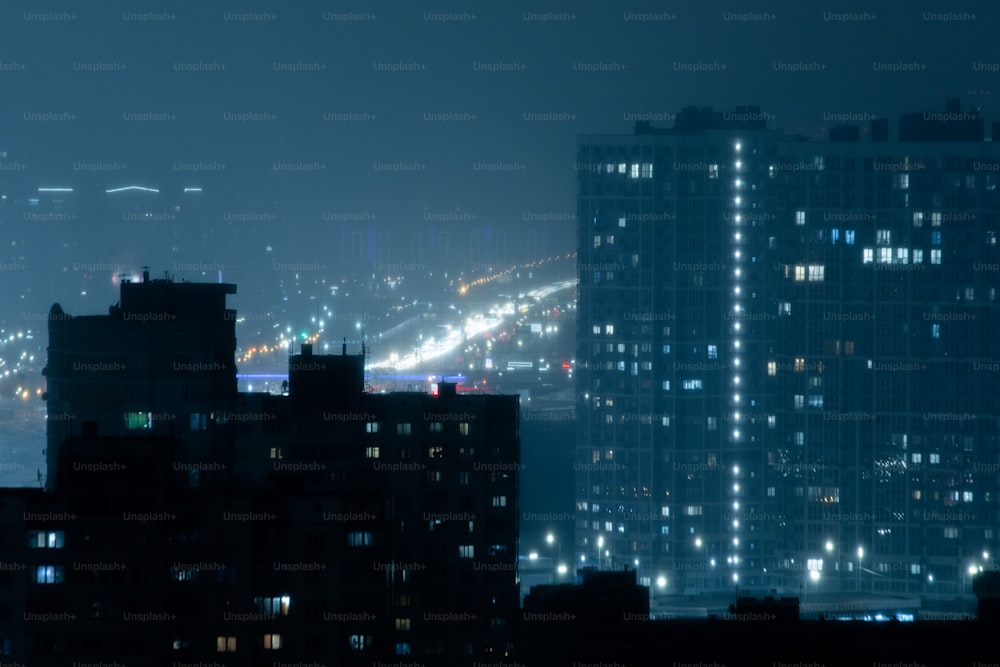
pixel 861 554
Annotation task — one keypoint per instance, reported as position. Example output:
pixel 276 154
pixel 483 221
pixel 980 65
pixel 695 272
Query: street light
pixel 550 539
pixel 973 570
pixel 861 554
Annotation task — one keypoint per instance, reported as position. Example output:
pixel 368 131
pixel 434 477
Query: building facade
pixel 784 350
pixel 184 519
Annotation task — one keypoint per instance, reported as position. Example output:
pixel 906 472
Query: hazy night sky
pixel 548 53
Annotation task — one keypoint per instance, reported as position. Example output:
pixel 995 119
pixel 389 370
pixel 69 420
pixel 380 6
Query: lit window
pixel 693 510
pixel 402 648
pixel 46 539
pixel 48 574
pixel 499 501
pixel 621 167
pixel 463 428
pixel 966 496
pixel 800 401
pixel 918 256
pixel 435 452
pixel 935 330
pixel 666 385
pixel 437 427
pixel 936 238
pixel 951 532
pixel 936 219
pixel 359 538
pixel 902 256
pixel 621 221
pixel 609 329
pixel 771 421
pixel 772 368
pixel 849 236
pixel 800 273
pixel 198 421
pixel 372 452
pixel 918 219
pixel 597 240
pixel 360 642
pixel 634 171
pixel 138 420
pixel 647 170
pixel 371 427
pixel 935 256
pixel 225 644
pixel 665 511
pixel 885 255
pixel 597 330
pixel 272 642
pixel 692 384
pixel 816 272
pixel 800 364
pixel 713 351
pixel 800 217
pixel 466 551
pixel 935 458
pixel 770 491
pixel 273 606
pixel 713 171
pixel 402 624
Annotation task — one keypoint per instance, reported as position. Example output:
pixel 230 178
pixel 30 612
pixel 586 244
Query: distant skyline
pixel 399 111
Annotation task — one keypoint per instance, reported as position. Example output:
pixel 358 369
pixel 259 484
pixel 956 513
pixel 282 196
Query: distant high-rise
pixel 786 355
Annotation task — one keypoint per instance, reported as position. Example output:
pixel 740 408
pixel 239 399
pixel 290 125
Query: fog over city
pixel 736 262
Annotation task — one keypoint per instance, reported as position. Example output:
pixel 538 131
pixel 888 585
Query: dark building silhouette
pixel 328 525
pixel 605 619
pixel 160 363
pixel 786 375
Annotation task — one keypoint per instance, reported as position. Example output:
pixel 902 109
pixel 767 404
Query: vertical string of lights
pixel 737 217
